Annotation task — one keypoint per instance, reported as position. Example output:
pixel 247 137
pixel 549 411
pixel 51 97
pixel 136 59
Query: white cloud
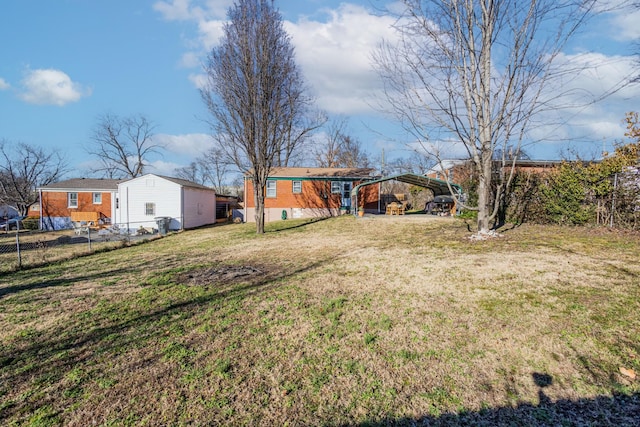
pixel 3 84
pixel 210 33
pixel 336 56
pixel 624 20
pixel 190 60
pixel 219 8
pixel 596 98
pixel 193 144
pixel 626 25
pixel 198 80
pixel 177 10
pixel 161 167
pixel 51 87
pixel 334 51
pixel 188 10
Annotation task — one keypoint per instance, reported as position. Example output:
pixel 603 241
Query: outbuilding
pixel 149 199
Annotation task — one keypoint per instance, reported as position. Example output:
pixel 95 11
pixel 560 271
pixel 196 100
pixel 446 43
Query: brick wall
pixel 55 204
pixel 315 195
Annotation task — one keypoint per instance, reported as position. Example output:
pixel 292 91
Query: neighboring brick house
pixel 460 171
pixel 311 192
pixel 59 200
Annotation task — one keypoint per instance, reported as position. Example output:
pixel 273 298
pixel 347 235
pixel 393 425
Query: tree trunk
pixel 485 206
pixel 258 197
pixel 23 210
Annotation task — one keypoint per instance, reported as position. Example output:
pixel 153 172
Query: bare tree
pixel 216 168
pixel 210 169
pixel 23 169
pixel 192 173
pixel 353 155
pixel 123 145
pixel 326 153
pixel 339 150
pixel 475 72
pixel 298 136
pixel 255 94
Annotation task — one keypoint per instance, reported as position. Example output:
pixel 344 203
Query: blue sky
pixel 72 60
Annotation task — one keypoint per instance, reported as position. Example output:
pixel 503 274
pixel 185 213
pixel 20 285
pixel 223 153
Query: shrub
pixel 564 195
pixel 31 223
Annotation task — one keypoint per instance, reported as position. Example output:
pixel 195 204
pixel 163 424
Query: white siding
pixel 187 207
pixel 134 194
pixel 199 207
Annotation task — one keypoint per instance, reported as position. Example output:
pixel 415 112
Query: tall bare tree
pixel 216 168
pixel 339 149
pixel 326 152
pixel 192 172
pixel 210 169
pixel 23 169
pixel 123 145
pixel 255 94
pixel 478 72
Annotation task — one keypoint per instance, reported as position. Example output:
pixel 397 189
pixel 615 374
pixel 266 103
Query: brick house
pixel 311 192
pixel 82 195
pixel 461 170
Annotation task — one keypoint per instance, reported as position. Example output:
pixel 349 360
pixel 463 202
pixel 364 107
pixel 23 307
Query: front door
pixel 346 194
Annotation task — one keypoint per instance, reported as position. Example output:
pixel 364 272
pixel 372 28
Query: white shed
pixel 143 199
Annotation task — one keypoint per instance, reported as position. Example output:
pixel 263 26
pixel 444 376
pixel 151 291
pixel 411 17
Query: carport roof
pixel 438 186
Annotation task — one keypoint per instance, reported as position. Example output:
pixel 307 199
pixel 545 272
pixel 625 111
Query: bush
pixel 564 195
pixel 31 223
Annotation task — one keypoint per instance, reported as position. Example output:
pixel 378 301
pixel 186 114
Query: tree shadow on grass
pixel 616 410
pixel 49 355
pixel 66 281
pixel 284 225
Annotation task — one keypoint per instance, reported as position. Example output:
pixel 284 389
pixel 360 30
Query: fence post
pixel 17 243
pixel 613 199
pixel 89 236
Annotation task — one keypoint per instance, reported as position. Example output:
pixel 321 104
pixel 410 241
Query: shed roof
pixel 186 183
pixel 179 181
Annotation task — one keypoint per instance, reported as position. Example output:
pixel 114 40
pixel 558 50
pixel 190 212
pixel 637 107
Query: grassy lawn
pixel 40 248
pixel 345 321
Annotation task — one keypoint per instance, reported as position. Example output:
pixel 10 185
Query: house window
pixel 271 188
pixel 297 187
pixel 97 198
pixel 150 209
pixel 72 200
pixel 335 187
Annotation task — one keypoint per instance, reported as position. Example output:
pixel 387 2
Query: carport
pixel 438 186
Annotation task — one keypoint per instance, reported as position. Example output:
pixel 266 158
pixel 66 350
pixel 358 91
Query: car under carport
pixel 437 186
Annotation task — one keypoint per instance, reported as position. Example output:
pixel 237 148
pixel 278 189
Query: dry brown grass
pixel 338 322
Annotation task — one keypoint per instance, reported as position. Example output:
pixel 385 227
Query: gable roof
pixel 179 181
pixel 83 184
pixel 302 172
pixel 186 183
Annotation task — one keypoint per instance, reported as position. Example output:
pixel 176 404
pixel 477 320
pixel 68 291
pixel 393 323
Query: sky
pixel 64 63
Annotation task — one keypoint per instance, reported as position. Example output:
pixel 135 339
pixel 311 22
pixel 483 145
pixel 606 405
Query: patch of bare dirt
pixel 222 274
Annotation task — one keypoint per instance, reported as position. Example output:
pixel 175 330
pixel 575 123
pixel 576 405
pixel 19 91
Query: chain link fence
pixel 21 248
